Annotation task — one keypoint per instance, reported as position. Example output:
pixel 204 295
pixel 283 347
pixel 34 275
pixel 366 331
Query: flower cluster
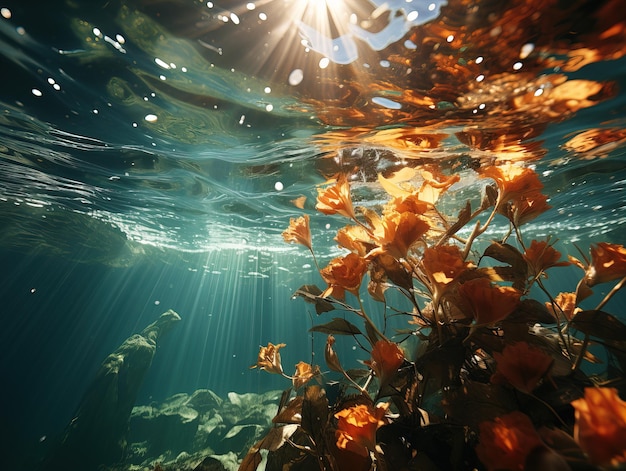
pixel 496 380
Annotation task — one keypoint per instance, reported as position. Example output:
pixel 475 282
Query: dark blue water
pixel 150 153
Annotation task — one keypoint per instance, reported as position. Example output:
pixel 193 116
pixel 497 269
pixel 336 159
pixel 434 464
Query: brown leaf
pixel 490 198
pixel 291 413
pixel 275 438
pixel 337 326
pixel 395 271
pixel 315 413
pixel 311 294
pixel 372 335
pixel 251 460
pixel 477 402
pixel 500 273
pixel 599 324
pixel 531 311
pixel 506 253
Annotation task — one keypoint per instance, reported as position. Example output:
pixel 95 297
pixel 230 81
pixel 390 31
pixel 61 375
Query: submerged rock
pixel 169 428
pixel 97 434
pixel 204 400
pixel 197 432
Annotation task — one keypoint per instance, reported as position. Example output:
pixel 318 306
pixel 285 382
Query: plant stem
pixel 615 289
pixel 368 321
pixel 478 230
pixel 606 299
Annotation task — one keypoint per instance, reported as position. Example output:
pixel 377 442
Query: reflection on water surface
pixel 187 124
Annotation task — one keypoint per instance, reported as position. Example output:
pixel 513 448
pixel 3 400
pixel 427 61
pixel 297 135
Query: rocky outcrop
pixel 186 432
pixel 97 434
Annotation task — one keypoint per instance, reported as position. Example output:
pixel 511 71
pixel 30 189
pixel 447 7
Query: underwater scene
pixel 313 235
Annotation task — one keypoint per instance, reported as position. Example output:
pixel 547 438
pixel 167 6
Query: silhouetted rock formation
pixel 97 434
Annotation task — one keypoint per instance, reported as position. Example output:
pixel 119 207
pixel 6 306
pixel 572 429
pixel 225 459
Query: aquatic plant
pixel 484 376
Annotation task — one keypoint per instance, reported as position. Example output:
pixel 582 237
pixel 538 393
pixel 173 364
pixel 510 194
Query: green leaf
pixel 599 324
pixel 337 326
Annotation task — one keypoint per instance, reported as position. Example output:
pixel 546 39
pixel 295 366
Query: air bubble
pixel 295 77
pixel 526 50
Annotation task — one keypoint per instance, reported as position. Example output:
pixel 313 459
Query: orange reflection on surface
pixel 596 142
pixel 491 70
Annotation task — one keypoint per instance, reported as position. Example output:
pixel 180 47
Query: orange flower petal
pixel 269 359
pixel 522 366
pixel 344 274
pixel 506 442
pixel 608 262
pixel 386 359
pixel 540 256
pixel 564 303
pixel 489 303
pixel 601 425
pixel 357 425
pixel 299 231
pixel 442 265
pixel 336 199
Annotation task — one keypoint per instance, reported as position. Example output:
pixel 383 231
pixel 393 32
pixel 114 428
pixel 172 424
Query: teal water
pixel 149 156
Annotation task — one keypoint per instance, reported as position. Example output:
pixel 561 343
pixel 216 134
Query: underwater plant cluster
pixel 497 379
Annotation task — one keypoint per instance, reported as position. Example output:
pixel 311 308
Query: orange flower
pixel 442 265
pixel 304 373
pixel 406 204
pixel 357 425
pixel 400 232
pixel 540 256
pixel 600 428
pixel 386 359
pixel 566 304
pixel 354 238
pixel 269 359
pixel 336 199
pixel 513 181
pixel 435 183
pixel 489 303
pixel 608 262
pixel 522 366
pixel 526 208
pixel 344 274
pixel 506 442
pixel 299 231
